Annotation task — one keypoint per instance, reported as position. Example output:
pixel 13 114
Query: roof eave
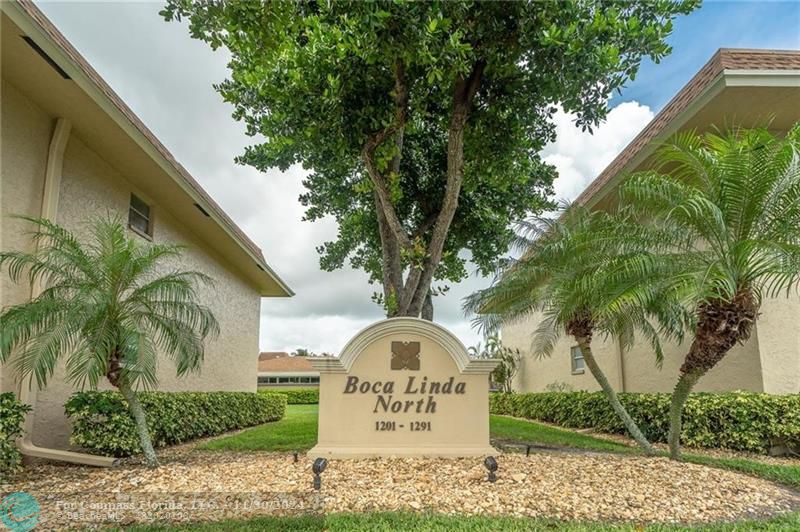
pixel 716 75
pixel 30 19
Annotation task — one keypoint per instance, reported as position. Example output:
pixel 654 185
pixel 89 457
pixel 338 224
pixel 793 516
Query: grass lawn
pixel 390 522
pixel 509 429
pixel 298 432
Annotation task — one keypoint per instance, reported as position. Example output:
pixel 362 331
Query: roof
pixel 269 355
pixel 285 364
pixel 48 34
pixel 724 61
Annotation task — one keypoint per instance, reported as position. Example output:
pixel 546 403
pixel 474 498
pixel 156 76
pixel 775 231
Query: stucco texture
pixel 90 187
pixel 24 140
pixel 768 362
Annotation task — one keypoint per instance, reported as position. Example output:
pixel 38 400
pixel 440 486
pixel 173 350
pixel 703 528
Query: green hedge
pixel 737 420
pixel 298 396
pixel 12 415
pixel 102 423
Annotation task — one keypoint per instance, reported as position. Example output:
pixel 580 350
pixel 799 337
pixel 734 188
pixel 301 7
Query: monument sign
pixel 403 387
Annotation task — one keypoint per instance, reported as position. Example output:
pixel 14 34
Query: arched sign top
pixel 404 325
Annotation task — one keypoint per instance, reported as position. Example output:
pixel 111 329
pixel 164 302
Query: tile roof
pixel 723 59
pixel 269 355
pixel 285 364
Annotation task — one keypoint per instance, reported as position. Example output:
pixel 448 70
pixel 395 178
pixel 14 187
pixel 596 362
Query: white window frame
pixel 574 359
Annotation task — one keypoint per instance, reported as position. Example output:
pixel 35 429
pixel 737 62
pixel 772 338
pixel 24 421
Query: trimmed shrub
pixel 12 415
pixel 102 423
pixel 741 421
pixel 298 396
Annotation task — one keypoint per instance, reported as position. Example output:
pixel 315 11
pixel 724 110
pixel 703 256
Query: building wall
pixel 535 373
pixel 25 132
pixel 636 371
pixel 91 187
pixel 778 336
pixel 739 370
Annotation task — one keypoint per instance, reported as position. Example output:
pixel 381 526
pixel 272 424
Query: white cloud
pixel 167 80
pixel 581 156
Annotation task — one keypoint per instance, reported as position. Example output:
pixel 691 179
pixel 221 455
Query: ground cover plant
pixel 296 396
pixel 12 416
pixel 742 421
pixel 102 424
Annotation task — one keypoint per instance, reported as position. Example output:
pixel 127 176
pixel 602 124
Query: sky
pixel 166 78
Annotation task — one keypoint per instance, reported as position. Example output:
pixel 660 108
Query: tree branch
pixel 375 141
pixel 463 95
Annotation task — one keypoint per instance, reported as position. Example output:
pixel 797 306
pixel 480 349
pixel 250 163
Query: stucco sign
pixel 403 387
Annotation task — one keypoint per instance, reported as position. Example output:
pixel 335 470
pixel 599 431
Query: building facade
pixel 282 371
pixel 746 88
pixel 71 151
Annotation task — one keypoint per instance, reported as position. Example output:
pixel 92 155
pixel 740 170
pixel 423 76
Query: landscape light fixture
pixel 319 466
pixel 491 466
pixel 295 457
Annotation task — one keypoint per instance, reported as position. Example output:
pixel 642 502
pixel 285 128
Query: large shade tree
pixel 110 307
pixel 575 277
pixel 727 210
pixel 421 122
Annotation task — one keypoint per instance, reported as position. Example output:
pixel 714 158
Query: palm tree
pixel 107 307
pixel 569 279
pixel 728 209
pixel 503 374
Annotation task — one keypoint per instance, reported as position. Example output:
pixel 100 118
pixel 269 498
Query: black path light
pixel 319 466
pixel 296 457
pixel 491 465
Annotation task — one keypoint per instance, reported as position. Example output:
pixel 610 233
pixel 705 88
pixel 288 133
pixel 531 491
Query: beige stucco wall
pixel 637 371
pixel 778 330
pixel 739 370
pixel 536 373
pixel 90 187
pixel 24 140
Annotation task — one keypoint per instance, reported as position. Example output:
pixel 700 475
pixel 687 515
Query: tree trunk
pixel 141 423
pixel 679 396
pixel 427 308
pixel 721 325
pixel 601 379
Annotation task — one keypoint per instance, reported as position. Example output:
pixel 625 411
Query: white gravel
pixel 201 486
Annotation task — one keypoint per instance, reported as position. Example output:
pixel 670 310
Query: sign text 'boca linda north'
pixel 418 394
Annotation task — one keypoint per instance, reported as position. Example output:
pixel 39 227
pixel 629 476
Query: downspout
pixel 27 394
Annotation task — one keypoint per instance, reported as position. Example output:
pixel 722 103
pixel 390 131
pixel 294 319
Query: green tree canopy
pixel 421 122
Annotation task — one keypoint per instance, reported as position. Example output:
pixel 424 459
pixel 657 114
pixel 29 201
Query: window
pixel 578 365
pixel 139 217
pixel 264 380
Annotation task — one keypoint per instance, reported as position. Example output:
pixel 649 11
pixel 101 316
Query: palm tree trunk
pixel 141 423
pixel 601 379
pixel 684 386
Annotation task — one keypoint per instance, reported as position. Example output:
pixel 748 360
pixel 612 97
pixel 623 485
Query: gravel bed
pixel 205 486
